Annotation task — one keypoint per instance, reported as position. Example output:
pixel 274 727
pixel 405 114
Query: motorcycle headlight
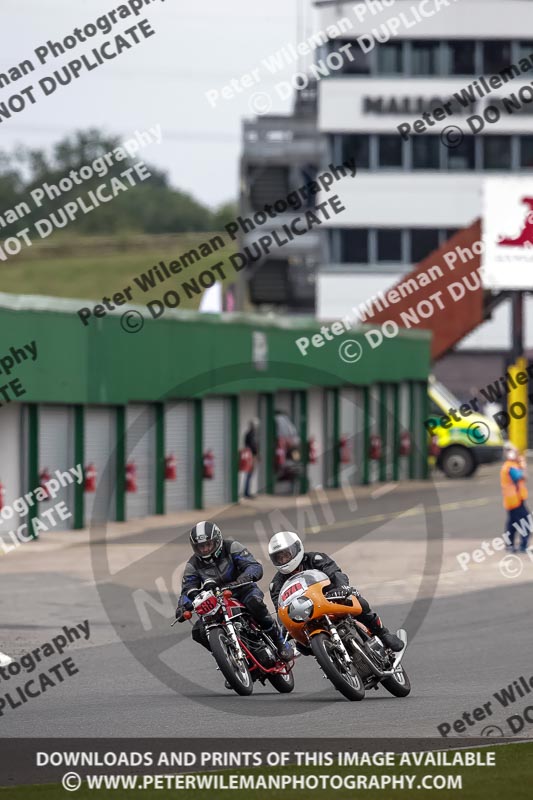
pixel 300 609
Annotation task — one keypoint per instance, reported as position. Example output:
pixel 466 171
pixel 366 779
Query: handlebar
pixel 218 590
pixel 232 586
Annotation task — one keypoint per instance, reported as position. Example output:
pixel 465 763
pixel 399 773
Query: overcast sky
pixel 197 47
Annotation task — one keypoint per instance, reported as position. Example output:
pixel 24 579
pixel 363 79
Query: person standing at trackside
pixel 251 441
pixel 514 495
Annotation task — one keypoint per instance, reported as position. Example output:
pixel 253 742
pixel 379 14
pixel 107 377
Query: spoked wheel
pixel 235 672
pixel 282 682
pixel 398 684
pixel 344 678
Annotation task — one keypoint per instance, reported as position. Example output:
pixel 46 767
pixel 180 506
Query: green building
pixel 126 404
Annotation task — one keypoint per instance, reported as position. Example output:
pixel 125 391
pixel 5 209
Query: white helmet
pixel 509 451
pixel 286 551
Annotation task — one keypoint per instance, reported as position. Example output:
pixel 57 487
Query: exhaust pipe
pixel 397 659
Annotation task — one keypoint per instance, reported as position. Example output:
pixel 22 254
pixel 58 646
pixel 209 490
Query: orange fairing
pixel 303 631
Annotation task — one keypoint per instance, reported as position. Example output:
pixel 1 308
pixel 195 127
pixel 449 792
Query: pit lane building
pixel 140 411
pixel 413 198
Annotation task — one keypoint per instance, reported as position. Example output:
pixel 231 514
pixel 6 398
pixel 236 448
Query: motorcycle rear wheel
pixel 348 684
pixel 237 675
pixel 282 682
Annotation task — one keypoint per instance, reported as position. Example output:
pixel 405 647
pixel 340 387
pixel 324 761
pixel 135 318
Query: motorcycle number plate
pixel 290 592
pixel 206 606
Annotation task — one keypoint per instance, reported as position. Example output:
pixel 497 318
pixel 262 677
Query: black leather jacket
pixel 233 561
pixel 319 561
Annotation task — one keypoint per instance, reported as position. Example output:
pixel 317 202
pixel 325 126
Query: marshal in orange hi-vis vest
pixel 513 493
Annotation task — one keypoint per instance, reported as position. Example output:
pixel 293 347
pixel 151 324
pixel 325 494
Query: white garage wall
pixel 11 460
pixel 315 427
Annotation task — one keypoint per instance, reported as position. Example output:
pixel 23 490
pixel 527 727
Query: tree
pixel 225 214
pixel 152 206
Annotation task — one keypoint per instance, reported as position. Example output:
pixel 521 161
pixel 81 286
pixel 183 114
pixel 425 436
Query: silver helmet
pixel 286 551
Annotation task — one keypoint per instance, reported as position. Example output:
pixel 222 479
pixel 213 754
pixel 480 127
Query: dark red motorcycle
pixel 243 651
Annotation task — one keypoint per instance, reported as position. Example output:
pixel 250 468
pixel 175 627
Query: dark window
pixel 464 156
pixel 269 282
pixel 267 184
pixel 423 242
pixel 389 245
pixel 496 152
pixel 450 232
pixel 426 152
pixel 356 146
pixel 425 58
pixel 525 49
pixel 360 63
pixel 390 148
pixel 434 410
pixel 390 58
pixel 526 151
pixel 354 246
pixel 496 56
pixel 460 57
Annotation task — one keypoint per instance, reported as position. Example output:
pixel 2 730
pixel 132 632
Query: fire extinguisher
pixel 209 465
pixel 375 447
pixel 44 477
pixel 2 493
pixel 171 468
pixel 405 443
pixel 434 449
pixel 280 456
pixel 312 456
pixel 90 478
pixel 246 460
pixel 344 450
pixel 131 477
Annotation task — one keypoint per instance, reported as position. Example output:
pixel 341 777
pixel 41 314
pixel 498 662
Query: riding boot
pixel 375 626
pixel 285 650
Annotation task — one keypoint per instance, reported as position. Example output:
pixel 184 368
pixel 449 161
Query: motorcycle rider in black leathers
pixel 225 562
pixel 288 556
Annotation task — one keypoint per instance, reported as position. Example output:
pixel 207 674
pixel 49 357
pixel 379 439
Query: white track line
pixel 5 660
pixel 383 490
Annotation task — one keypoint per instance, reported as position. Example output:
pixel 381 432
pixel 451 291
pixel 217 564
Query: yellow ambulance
pixel 465 437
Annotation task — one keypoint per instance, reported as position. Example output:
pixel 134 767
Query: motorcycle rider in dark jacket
pixel 225 562
pixel 287 553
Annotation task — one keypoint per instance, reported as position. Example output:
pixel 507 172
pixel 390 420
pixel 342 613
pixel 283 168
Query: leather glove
pixel 242 579
pixel 341 592
pixel 346 590
pixel 208 585
pixel 187 606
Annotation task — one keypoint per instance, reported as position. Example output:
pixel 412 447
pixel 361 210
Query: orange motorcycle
pixel 323 618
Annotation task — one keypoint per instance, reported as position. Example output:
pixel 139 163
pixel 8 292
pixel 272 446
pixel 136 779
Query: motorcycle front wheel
pixel 282 682
pixel 345 679
pixel 399 684
pixel 235 672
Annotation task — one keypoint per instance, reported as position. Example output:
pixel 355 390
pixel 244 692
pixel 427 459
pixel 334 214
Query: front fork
pixel 339 644
pixel 230 630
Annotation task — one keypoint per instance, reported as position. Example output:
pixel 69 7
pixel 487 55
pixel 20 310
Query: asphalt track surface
pixel 471 641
